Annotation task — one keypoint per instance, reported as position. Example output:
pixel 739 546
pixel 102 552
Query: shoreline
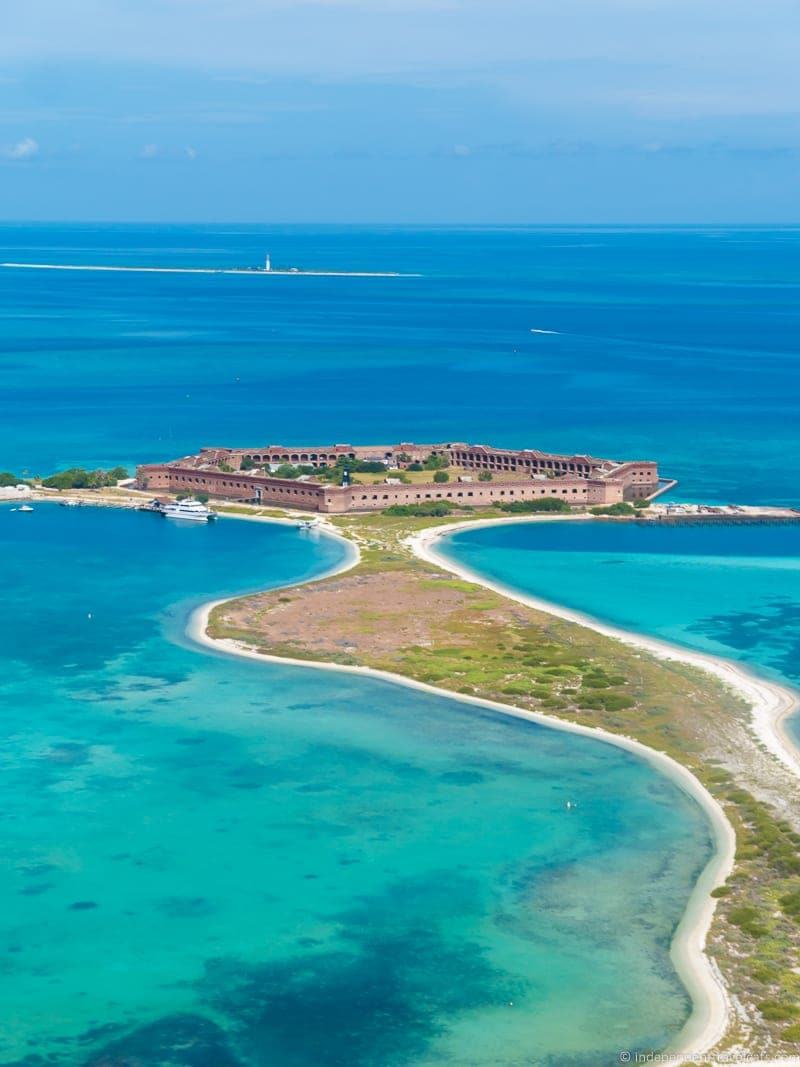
pixel 711 1010
pixel 709 1018
pixel 770 702
pixel 770 705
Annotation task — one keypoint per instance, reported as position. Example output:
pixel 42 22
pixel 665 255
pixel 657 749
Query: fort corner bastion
pixel 248 474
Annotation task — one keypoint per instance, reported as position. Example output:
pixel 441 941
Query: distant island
pixel 252 271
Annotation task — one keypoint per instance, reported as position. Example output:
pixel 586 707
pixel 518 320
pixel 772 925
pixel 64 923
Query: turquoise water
pixel 677 345
pixel 732 591
pixel 217 863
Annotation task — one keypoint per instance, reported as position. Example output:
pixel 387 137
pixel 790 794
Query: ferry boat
pixel 191 510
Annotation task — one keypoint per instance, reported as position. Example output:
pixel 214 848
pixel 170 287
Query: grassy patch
pixel 491 647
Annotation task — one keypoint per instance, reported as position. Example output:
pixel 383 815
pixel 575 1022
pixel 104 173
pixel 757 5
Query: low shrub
pixel 547 503
pixel 614 509
pixel 778 1011
pixel 790 903
pixel 747 918
pixel 606 701
pixel 434 510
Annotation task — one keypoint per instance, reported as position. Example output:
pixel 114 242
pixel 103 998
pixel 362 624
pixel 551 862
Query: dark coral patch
pixel 177 1040
pixel 383 998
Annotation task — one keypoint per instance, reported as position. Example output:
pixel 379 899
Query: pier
pixel 754 517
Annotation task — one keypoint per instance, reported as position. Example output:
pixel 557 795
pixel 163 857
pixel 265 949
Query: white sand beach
pixel 708 1021
pixel 771 704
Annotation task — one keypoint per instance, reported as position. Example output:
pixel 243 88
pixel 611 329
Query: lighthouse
pixel 267 264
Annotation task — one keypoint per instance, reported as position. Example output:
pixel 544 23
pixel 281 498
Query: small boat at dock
pixel 189 510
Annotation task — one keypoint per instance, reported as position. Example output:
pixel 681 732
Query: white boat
pixel 190 510
pixel 25 507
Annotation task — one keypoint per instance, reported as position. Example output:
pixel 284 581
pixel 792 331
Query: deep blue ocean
pixel 676 345
pixel 213 863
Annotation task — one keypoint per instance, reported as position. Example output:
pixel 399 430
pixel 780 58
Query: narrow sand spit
pixel 771 703
pixel 708 1021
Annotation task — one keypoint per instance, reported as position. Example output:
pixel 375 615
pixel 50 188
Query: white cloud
pixel 191 153
pixel 27 148
pixel 149 151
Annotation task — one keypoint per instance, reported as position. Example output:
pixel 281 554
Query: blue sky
pixel 430 111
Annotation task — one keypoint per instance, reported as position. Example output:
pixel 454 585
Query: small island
pixel 401 609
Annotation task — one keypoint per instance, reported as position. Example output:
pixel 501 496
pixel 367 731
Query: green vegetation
pixel 7 478
pixel 478 643
pixel 247 464
pixel 415 466
pixel 441 476
pixel 485 476
pixel 527 507
pixel 790 902
pixel 778 1010
pixel 435 463
pixel 333 473
pixel 368 466
pixel 641 503
pixel 78 478
pixel 286 470
pixel 226 467
pixel 614 509
pixel 435 508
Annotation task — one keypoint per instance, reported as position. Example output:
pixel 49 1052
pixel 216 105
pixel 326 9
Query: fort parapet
pixel 247 474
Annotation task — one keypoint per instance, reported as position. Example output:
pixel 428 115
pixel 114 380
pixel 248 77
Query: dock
pixel 723 516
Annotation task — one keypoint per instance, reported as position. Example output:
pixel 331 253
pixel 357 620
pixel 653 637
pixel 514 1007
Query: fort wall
pixel 312 496
pixel 243 474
